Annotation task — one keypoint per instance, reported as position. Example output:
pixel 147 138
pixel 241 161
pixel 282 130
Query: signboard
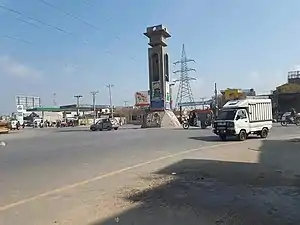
pixel 156 90
pixel 167 96
pixel 157 100
pixel 28 102
pixel 142 98
pixel 232 94
pixel 20 108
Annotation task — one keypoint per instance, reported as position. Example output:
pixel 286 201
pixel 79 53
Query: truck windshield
pixel 227 115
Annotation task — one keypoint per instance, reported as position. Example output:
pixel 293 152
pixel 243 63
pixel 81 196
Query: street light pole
pixel 125 103
pixel 109 86
pixel 216 101
pixel 94 93
pixel 77 102
pixel 171 93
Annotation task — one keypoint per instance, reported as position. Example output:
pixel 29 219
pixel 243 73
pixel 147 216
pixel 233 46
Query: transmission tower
pixel 184 94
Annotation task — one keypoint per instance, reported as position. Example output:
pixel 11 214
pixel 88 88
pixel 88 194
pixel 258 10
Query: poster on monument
pixel 157 99
pixel 167 97
pixel 156 90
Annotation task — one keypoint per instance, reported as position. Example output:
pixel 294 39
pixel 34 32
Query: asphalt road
pixel 35 162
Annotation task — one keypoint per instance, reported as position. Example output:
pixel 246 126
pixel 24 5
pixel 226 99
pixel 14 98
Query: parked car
pixel 104 124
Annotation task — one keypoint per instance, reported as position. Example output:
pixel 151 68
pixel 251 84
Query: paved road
pixel 37 163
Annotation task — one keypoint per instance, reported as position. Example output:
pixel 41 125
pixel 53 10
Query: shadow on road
pixel 214 138
pixel 214 192
pixel 62 130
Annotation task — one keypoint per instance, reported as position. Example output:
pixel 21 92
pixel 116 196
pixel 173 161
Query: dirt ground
pixel 252 183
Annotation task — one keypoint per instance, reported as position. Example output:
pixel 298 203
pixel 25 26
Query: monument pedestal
pixel 165 119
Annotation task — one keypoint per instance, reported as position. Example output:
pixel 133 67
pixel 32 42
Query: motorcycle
pixel 288 120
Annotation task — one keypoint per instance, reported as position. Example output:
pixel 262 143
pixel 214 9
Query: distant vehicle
pixel 105 124
pixel 243 117
pixel 4 126
pixel 199 118
pixel 14 125
pixel 287 118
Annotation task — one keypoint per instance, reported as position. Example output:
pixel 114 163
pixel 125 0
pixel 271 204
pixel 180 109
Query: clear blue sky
pixel 235 43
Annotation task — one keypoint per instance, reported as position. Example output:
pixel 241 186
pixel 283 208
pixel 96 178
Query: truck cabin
pixel 229 113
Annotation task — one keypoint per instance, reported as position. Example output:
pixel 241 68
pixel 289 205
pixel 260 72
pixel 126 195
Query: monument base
pixel 165 118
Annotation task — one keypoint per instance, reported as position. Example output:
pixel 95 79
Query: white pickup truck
pixel 243 117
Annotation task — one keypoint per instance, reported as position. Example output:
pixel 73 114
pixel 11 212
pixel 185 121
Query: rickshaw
pixel 199 118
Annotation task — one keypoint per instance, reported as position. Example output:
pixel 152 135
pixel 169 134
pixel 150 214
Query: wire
pixel 34 19
pixel 86 2
pixel 69 14
pixel 61 30
pixel 27 22
pixel 16 39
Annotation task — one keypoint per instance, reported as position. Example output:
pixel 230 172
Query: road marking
pixel 110 174
pixel 113 173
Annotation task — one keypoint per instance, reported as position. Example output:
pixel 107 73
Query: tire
pixel 223 137
pixel 93 129
pixel 116 128
pixel 264 132
pixel 297 122
pixel 242 135
pixel 185 126
pixel 283 123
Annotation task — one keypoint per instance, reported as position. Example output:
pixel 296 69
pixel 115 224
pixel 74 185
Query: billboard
pixel 27 102
pixel 232 94
pixel 142 98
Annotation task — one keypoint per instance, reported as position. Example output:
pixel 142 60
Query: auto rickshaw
pixel 199 118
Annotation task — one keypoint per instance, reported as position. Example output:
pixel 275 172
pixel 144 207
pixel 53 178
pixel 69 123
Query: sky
pixel 78 46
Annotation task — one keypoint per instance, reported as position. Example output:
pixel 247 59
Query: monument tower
pixel 160 114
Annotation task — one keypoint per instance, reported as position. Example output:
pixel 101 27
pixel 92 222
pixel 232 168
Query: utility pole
pixel 109 86
pixel 54 99
pixel 77 102
pixel 94 93
pixel 203 102
pixel 171 95
pixel 125 103
pixel 216 100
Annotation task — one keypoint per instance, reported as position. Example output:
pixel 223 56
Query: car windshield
pixel 227 115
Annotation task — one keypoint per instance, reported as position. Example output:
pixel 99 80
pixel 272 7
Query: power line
pixel 53 27
pixel 69 14
pixel 61 30
pixel 27 22
pixel 16 39
pixel 34 19
pixel 86 2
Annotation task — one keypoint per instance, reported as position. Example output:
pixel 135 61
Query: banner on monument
pixel 156 90
pixel 142 98
pixel 167 97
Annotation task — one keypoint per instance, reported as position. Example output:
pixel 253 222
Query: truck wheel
pixel 223 137
pixel 264 132
pixel 283 123
pixel 185 126
pixel 242 135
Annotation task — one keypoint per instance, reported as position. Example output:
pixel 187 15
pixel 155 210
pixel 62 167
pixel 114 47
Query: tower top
pixel 158 35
